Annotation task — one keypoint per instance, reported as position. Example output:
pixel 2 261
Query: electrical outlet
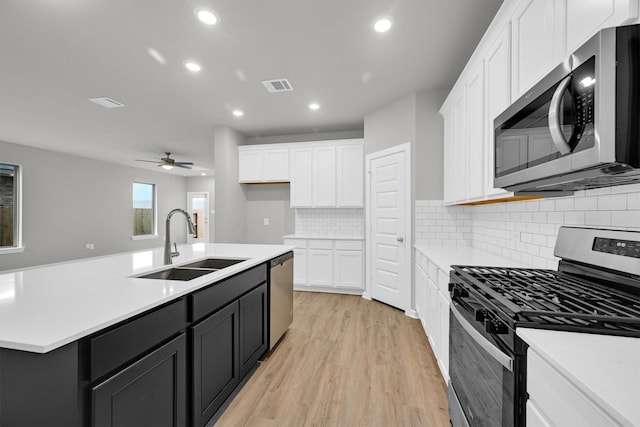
pixel 89 246
pixel 266 221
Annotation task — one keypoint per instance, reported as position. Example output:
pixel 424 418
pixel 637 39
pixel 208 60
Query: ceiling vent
pixel 278 85
pixel 107 102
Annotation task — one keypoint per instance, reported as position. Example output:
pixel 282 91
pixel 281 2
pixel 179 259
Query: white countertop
pixel 446 256
pixel 605 367
pixel 43 308
pixel 310 237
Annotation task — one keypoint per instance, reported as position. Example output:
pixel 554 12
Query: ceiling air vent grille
pixel 107 102
pixel 278 85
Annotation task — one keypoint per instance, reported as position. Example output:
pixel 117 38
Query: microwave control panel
pixel 628 248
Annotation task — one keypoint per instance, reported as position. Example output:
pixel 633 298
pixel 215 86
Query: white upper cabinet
pixel 327 174
pixel 497 98
pixel 475 123
pixel 536 43
pixel 263 163
pixel 301 177
pixel 454 145
pixel 585 17
pixel 350 175
pixel 526 40
pixel 324 176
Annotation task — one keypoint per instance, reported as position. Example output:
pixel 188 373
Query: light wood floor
pixel 345 361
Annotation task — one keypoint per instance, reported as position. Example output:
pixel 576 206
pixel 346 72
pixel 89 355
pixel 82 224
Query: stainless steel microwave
pixel 579 127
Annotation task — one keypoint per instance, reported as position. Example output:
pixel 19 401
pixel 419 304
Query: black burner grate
pixel 535 297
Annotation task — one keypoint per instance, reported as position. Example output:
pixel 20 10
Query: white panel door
pixel 390 224
pixel 301 169
pixel 276 165
pixel 475 133
pixel 497 99
pixel 324 176
pixel 536 45
pixel 250 165
pixel 350 186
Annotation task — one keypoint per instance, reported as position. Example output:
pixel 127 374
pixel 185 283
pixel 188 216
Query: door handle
pixel 400 239
pixel 555 112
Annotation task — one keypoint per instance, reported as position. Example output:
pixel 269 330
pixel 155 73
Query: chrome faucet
pixel 167 235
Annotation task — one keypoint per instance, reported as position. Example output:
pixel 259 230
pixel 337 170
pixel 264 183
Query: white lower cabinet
pixel 320 263
pixel 556 401
pixel 432 305
pixel 328 265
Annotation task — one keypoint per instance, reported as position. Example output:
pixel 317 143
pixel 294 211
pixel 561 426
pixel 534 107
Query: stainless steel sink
pixel 178 273
pixel 214 263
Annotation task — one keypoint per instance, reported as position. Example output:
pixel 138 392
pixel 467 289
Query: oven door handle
pixel 502 358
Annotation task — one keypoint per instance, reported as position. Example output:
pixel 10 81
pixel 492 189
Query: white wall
pixel 69 201
pixel 428 160
pixel 526 231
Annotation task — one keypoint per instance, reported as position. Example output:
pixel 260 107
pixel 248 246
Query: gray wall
pixel 68 201
pixel 205 184
pixel 230 219
pixel 391 125
pixel 268 201
pixel 428 157
pixel 305 137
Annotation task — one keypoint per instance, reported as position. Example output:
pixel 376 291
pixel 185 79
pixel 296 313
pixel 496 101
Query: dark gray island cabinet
pixel 174 365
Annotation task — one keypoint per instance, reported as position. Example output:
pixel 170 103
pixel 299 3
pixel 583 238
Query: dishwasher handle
pixel 281 259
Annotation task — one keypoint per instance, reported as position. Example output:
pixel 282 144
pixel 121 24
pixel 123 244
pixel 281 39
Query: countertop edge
pixel 45 346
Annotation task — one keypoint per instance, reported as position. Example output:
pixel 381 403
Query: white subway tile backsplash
pixel 612 202
pixel 526 231
pixel 330 222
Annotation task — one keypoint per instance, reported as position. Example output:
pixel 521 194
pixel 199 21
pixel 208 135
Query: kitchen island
pixel 86 342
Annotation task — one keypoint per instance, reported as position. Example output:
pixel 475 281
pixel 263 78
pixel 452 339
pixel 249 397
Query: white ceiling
pixel 56 54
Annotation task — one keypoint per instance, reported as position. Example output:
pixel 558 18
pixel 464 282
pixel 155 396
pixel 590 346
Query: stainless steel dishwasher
pixel 281 304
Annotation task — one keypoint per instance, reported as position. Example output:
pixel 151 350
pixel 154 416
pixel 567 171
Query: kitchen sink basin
pixel 213 263
pixel 178 273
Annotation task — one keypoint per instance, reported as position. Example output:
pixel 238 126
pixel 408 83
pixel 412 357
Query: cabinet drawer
pixel 320 244
pixel 558 399
pixel 122 344
pixel 220 294
pixel 349 245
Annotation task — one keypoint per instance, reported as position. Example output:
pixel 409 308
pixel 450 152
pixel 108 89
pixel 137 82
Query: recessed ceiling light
pixel 382 24
pixel 314 106
pixel 192 66
pixel 238 113
pixel 203 174
pixel 206 16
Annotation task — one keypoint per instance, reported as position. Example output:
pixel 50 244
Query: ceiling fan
pixel 168 163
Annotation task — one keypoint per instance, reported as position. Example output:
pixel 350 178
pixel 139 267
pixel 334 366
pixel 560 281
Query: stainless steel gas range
pixel 595 290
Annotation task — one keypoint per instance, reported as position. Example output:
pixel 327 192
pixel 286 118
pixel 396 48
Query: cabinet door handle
pixel 400 239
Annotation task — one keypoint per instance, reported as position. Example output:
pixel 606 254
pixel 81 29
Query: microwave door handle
pixel 486 345
pixel 555 112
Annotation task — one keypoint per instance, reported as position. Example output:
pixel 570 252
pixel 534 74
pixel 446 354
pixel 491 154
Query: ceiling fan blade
pixel 183 165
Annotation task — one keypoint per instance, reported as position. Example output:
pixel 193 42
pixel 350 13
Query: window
pixel 144 209
pixel 10 233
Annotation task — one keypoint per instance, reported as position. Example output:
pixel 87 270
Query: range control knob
pixel 459 292
pixel 495 327
pixel 481 314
